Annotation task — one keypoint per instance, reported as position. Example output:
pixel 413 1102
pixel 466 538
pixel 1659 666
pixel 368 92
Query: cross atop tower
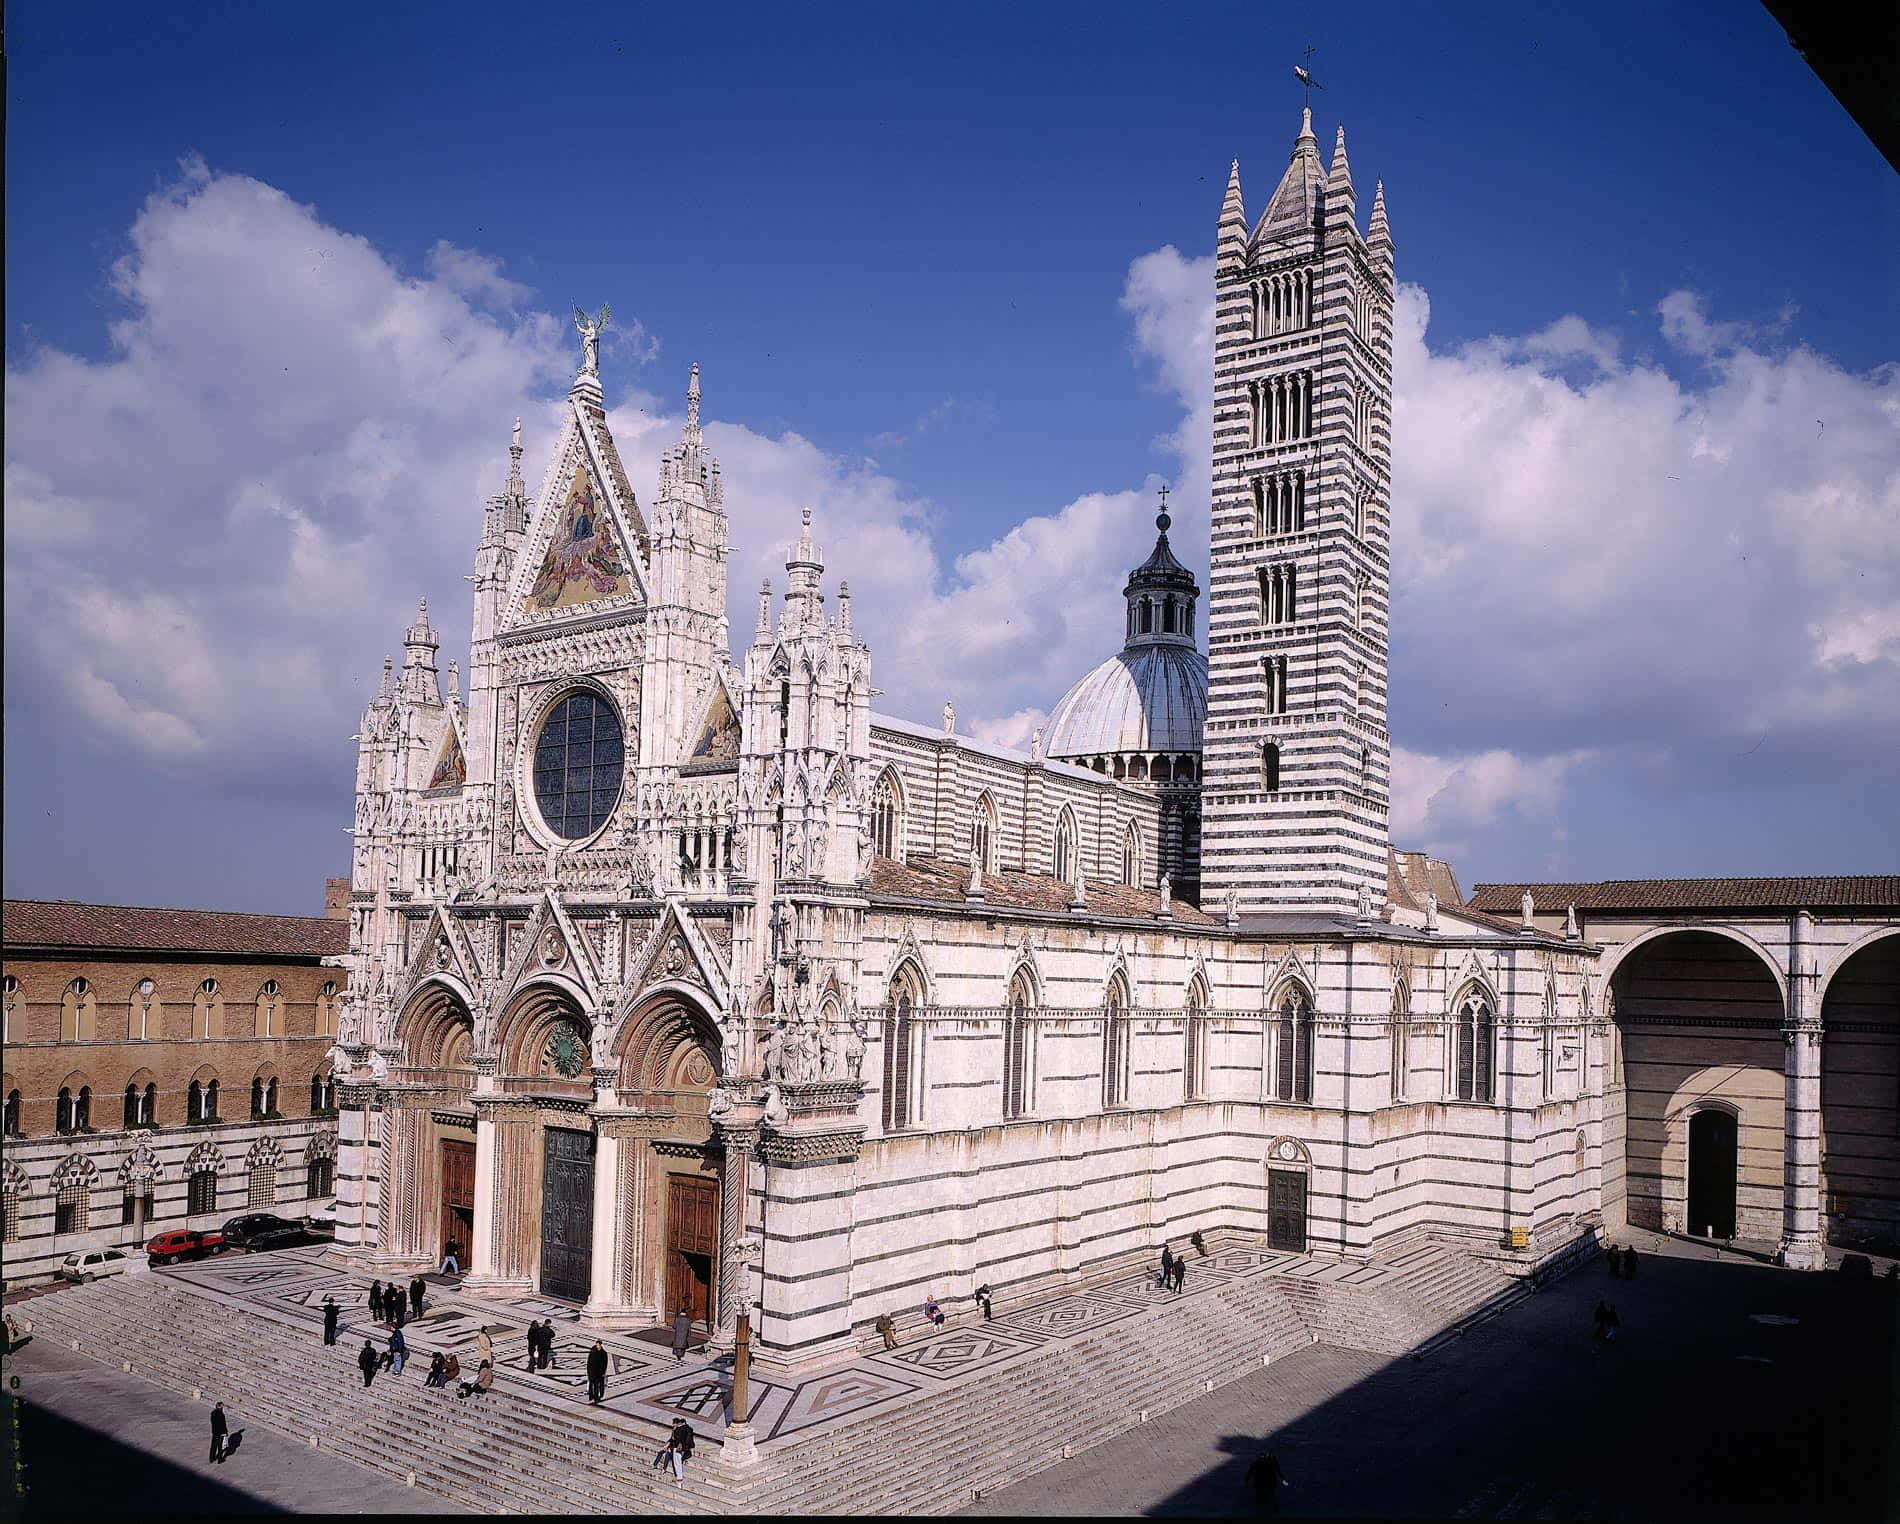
pixel 1305 76
pixel 1162 521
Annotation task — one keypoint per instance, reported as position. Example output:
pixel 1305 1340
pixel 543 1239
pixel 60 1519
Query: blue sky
pixel 908 251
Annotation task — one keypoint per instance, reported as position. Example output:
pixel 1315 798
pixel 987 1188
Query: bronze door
pixel 567 1213
pixel 458 1200
pixel 692 1244
pixel 1286 1210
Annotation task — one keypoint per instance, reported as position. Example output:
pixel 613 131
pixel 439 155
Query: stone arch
pixel 1852 950
pixel 1608 970
pixel 661 1038
pixel 265 1153
pixel 436 1027
pixel 74 1169
pixel 533 1017
pixel 1859 1010
pixel 207 1155
pixel 14 1181
pixel 140 1167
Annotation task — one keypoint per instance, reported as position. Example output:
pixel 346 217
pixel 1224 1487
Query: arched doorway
pixel 1860 1096
pixel 1712 1159
pixel 669 1057
pixel 430 1152
pixel 544 1056
pixel 1698 1018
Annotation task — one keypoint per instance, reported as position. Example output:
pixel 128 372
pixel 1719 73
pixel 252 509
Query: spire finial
pixel 1162 521
pixel 692 399
pixel 514 441
pixel 1305 77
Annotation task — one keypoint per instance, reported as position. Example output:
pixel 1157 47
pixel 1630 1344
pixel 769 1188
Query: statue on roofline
pixel 590 331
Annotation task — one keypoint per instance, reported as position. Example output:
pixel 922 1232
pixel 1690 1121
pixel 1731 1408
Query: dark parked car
pixel 242 1232
pixel 290 1236
pixel 183 1243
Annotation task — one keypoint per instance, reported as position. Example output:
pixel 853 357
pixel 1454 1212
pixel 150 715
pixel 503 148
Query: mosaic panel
pixel 1064 1319
pixel 953 1353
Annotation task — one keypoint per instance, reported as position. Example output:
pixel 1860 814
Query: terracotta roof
pixel 931 878
pixel 1869 892
pixel 64 923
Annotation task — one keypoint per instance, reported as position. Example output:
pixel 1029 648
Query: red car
pixel 183 1243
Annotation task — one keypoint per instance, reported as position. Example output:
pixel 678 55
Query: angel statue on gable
pixel 590 332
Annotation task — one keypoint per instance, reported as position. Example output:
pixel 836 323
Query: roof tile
pixel 66 923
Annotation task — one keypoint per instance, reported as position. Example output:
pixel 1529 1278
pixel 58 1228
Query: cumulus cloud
pixel 1604 549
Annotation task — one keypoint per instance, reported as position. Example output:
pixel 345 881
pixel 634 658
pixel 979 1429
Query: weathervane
pixel 1305 77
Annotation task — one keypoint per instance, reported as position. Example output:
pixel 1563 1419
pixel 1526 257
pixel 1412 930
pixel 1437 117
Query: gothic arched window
pixel 1401 1036
pixel 1115 1044
pixel 884 816
pixel 1131 856
pixel 983 833
pixel 1064 862
pixel 1549 1043
pixel 1293 1048
pixel 1017 1078
pixel 1476 1043
pixel 207 1011
pixel 144 1014
pixel 326 1009
pixel 903 1059
pixel 1270 767
pixel 132 1106
pixel 78 1013
pixel 1193 1058
pixel 267 1008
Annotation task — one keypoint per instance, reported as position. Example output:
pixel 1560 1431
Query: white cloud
pixel 1440 802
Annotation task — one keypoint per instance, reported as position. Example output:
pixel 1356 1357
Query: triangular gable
pixel 442 950
pixel 585 558
pixel 1290 969
pixel 451 758
pixel 550 944
pixel 717 738
pixel 678 952
pixel 582 548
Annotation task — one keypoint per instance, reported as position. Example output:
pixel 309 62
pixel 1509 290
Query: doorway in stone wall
pixel 1712 1163
pixel 1286 1210
pixel 458 1200
pixel 692 1240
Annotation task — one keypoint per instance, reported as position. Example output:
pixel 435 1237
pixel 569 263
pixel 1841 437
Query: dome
pixel 1150 697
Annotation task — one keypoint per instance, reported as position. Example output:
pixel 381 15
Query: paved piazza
pixel 1735 1390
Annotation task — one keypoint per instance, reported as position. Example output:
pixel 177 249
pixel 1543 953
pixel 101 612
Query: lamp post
pixel 739 1447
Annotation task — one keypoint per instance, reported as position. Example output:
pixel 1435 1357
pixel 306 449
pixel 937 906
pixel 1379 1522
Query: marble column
pixel 481 1252
pixel 1802 1243
pixel 738 1143
pixel 603 1276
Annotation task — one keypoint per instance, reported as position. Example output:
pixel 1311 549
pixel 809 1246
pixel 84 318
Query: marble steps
pixel 987 1434
pixel 493 1453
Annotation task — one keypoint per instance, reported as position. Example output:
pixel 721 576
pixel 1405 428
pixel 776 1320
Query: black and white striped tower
pixel 1296 754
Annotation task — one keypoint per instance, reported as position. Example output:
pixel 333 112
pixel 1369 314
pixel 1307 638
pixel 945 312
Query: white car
pixel 93 1263
pixel 323 1219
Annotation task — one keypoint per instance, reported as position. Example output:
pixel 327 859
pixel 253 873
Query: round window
pixel 578 759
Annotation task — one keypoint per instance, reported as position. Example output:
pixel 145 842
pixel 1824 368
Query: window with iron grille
pixel 201 1193
pixel 263 1186
pixel 71 1210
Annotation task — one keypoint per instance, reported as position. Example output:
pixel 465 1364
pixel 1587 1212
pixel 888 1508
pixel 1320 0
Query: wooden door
pixel 1286 1210
pixel 692 1246
pixel 458 1200
pixel 567 1213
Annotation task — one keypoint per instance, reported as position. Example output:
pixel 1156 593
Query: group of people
pixel 1606 1321
pixel 1173 1274
pixel 677 1450
pixel 541 1345
pixel 386 1302
pixel 1622 1263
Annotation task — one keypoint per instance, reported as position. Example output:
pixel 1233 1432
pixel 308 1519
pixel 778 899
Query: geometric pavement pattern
pixel 644 1380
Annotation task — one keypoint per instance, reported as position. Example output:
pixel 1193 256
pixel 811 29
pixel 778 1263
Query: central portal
pixel 1712 1154
pixel 567 1214
pixel 692 1239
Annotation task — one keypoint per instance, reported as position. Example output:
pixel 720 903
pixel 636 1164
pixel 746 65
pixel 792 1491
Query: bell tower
pixel 1296 753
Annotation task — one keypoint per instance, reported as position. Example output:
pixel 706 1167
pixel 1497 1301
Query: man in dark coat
pixel 534 1345
pixel 983 1300
pixel 1266 1479
pixel 218 1430
pixel 596 1372
pixel 366 1362
pixel 376 1300
pixel 1629 1264
pixel 682 1332
pixel 680 1445
pixel 547 1344
pixel 415 1297
pixel 1167 1265
pixel 1180 1274
pixel 331 1312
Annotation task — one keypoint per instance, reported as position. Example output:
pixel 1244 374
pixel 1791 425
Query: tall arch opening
pixel 1860 1098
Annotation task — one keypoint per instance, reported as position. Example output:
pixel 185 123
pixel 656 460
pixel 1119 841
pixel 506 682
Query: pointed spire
pixel 1306 131
pixel 844 609
pixel 1297 199
pixel 386 670
pixel 1378 233
pixel 692 399
pixel 1231 242
pixel 1342 207
pixel 763 637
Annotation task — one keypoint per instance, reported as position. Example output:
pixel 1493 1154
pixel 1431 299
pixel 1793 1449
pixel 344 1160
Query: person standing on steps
pixel 366 1362
pixel 983 1300
pixel 398 1350
pixel 1167 1266
pixel 682 1332
pixel 888 1329
pixel 376 1301
pixel 596 1372
pixel 1266 1479
pixel 681 1447
pixel 331 1312
pixel 415 1297
pixel 1180 1275
pixel 219 1429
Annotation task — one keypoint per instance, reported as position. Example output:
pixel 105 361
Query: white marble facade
pixel 657 943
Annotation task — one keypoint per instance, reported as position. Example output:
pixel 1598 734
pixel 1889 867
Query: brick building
pixel 163 1068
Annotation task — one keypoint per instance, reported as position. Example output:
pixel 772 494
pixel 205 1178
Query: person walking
pixel 596 1372
pixel 484 1347
pixel 983 1300
pixel 376 1301
pixel 682 1332
pixel 398 1350
pixel 366 1362
pixel 1610 1324
pixel 533 1336
pixel 331 1312
pixel 1266 1479
pixel 1180 1275
pixel 451 1259
pixel 547 1344
pixel 888 1329
pixel 681 1447
pixel 1612 1257
pixel 1629 1263
pixel 1167 1266
pixel 219 1429
pixel 1601 1317
pixel 415 1297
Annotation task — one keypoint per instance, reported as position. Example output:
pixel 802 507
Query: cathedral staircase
pixel 523 1448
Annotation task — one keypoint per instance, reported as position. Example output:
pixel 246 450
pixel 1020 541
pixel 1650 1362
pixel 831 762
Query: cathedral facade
pixel 680 979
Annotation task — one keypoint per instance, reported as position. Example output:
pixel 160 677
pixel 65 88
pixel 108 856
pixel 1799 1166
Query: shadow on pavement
pixel 89 1472
pixel 1734 1391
